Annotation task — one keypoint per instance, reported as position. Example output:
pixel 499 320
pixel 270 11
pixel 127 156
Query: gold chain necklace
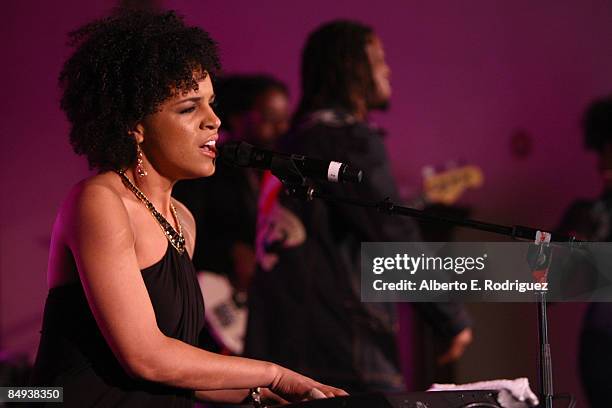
pixel 175 238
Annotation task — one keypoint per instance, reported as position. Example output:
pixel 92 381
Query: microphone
pixel 285 166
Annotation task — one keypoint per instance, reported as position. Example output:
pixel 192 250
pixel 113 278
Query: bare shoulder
pixel 100 191
pixel 188 224
pixel 92 214
pixel 94 201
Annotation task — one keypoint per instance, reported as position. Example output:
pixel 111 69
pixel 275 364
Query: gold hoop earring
pixel 140 170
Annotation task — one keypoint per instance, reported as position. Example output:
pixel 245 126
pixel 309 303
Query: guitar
pixel 226 312
pixel 448 186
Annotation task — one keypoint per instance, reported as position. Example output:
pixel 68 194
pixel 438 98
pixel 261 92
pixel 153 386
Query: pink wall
pixel 38 166
pixel 466 76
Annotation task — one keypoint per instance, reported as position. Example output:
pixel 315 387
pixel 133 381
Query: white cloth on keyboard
pixel 517 392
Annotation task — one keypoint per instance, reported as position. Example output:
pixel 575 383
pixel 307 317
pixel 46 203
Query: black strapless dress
pixel 73 353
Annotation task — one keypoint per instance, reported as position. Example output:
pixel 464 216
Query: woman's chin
pixel 200 172
pixel 208 170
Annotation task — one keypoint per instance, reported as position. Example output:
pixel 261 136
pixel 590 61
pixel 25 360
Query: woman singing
pixel 124 310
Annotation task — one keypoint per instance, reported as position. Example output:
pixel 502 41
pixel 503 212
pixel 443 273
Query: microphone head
pixel 351 175
pixel 236 153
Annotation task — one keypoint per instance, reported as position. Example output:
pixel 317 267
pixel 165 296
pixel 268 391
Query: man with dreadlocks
pixel 308 302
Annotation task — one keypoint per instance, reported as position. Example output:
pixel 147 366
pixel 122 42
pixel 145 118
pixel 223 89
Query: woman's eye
pixel 188 110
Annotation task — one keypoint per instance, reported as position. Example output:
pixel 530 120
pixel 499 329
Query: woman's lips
pixel 209 149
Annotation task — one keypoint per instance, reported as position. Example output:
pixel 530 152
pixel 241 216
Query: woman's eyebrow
pixel 192 99
pixel 195 99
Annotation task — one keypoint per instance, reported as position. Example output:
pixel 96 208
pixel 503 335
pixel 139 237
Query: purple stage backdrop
pixel 500 84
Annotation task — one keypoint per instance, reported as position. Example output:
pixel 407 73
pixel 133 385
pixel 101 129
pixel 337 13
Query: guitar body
pixel 447 187
pixel 226 312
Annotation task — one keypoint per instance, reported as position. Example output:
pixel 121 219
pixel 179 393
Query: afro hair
pixel 124 66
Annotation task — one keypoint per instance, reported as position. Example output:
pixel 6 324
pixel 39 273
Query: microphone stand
pixel 539 260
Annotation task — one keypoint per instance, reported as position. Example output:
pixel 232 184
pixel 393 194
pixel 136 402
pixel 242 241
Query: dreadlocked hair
pixel 335 69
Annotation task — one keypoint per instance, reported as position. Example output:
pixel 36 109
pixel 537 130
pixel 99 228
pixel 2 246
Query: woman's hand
pixel 270 398
pixel 239 397
pixel 295 387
